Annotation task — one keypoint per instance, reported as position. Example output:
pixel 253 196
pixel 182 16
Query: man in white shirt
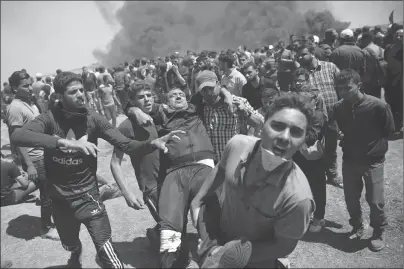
pixel 232 79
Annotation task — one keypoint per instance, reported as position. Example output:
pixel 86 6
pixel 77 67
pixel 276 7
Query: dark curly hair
pixel 63 79
pixel 15 79
pixel 227 58
pixel 295 101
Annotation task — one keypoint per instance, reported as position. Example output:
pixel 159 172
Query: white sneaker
pixel 316 225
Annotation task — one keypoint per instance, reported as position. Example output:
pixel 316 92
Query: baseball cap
pixel 347 33
pixel 270 47
pixel 38 75
pixel 206 78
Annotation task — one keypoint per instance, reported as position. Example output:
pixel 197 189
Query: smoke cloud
pixel 159 28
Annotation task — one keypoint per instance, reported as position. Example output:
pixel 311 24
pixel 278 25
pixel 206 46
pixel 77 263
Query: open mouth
pixel 278 151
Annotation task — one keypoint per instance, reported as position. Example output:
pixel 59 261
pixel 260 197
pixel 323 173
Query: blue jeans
pixel 373 175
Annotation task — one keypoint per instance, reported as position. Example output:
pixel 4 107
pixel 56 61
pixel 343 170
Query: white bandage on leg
pixel 169 240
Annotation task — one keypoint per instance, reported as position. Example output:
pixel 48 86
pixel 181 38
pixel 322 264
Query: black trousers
pixel 90 211
pixel 315 173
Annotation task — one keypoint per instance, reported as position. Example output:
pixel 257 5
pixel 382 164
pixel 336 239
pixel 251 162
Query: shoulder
pixel 297 186
pixel 126 128
pixel 242 142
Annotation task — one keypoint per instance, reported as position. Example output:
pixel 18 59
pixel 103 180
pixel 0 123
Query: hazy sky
pixel 44 36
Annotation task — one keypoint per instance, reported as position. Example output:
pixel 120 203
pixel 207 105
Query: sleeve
pixel 13 171
pixel 15 116
pixel 336 70
pixel 34 134
pixel 118 140
pixel 126 129
pixel 251 110
pixel 387 120
pixel 295 221
pixel 226 152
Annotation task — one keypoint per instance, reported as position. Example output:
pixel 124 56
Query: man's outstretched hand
pixel 78 145
pixel 160 143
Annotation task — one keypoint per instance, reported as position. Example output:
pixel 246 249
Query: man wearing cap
pixel 37 85
pixel 348 55
pixel 220 124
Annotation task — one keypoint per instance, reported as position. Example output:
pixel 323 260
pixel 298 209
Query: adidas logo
pixel 72 136
pixel 68 161
pixel 95 211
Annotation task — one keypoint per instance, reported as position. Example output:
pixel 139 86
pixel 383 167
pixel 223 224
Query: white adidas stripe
pixel 112 255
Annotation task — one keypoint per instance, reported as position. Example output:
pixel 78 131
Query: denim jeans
pixel 373 175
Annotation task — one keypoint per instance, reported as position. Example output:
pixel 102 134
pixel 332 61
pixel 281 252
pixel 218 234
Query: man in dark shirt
pixel 348 55
pixel 254 86
pixel 146 166
pixel 69 133
pixel 366 122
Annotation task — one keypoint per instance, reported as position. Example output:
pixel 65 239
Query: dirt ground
pixel 20 225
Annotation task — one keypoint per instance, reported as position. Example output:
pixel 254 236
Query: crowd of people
pixel 244 140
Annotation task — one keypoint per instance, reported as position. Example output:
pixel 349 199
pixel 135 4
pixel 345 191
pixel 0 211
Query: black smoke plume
pixel 159 28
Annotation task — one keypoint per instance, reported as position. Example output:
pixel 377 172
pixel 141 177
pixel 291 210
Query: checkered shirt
pixel 222 126
pixel 322 78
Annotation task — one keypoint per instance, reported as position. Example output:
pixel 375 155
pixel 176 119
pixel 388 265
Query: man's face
pixel 240 49
pixel 242 60
pixel 305 57
pixel 24 90
pixel 284 132
pixel 250 73
pixel 210 94
pixel 268 98
pixel 348 90
pixel 73 97
pixel 144 100
pixel 300 82
pixel 296 44
pixel 222 65
pixel 177 99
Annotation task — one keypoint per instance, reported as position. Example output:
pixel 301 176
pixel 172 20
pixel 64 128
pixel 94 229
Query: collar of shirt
pixel 231 70
pixel 317 67
pixel 273 177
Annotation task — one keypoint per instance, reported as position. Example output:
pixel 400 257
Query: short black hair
pixel 63 79
pixel 15 79
pixel 299 72
pixel 102 69
pixel 295 101
pixel 247 65
pixel 346 76
pixel 227 58
pixel 58 71
pixel 137 87
pixel 368 36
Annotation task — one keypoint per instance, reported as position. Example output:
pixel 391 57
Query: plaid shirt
pixel 322 78
pixel 222 126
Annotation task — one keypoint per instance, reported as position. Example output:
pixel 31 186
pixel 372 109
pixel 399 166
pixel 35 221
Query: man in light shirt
pixel 255 206
pixel 232 79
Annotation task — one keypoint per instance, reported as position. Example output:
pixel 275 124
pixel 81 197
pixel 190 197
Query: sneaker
pixel 376 242
pixel 357 232
pixel 283 263
pixel 75 260
pixel 50 233
pixel 337 182
pixel 6 264
pixel 234 254
pixel 316 225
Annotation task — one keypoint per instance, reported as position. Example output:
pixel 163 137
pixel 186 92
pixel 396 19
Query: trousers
pixel 90 211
